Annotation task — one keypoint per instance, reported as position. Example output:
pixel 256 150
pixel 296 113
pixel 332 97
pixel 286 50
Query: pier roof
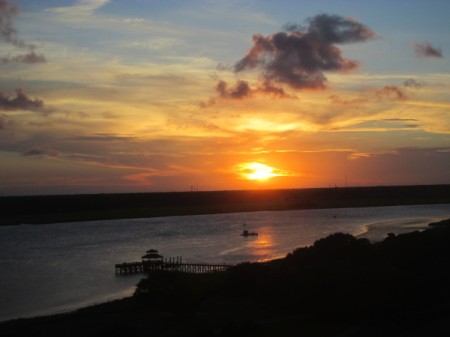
pixel 152 256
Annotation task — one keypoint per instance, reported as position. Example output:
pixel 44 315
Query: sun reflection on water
pixel 264 245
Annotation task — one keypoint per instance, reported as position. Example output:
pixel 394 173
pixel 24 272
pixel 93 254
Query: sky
pixel 112 96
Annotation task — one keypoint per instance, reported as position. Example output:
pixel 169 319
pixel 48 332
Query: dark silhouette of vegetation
pixel 339 286
pixel 342 279
pixel 445 222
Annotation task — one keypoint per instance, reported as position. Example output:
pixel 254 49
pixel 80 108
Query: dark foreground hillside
pixel 64 208
pixel 340 286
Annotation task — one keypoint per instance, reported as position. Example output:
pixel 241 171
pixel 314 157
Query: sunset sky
pixel 100 96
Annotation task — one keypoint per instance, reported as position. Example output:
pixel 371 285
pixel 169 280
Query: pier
pixel 153 262
pixel 195 268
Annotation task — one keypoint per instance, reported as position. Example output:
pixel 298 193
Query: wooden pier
pixel 153 262
pixel 195 268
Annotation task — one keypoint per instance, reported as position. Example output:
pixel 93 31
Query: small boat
pixel 247 233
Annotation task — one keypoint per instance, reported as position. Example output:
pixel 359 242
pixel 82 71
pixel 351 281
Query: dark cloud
pixel 390 92
pixel 224 67
pixel 104 137
pixel 425 49
pixel 29 58
pixel 8 11
pixel 410 123
pixel 242 90
pixel 20 102
pixel 239 91
pixel 293 27
pixel 336 29
pixel 273 90
pixel 40 152
pixel 298 56
pixel 400 120
pixel 412 83
pixel 386 93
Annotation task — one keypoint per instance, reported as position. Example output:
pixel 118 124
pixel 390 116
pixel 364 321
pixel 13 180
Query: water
pixel 59 267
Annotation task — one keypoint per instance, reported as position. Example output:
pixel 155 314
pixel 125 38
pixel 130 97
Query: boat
pixel 247 233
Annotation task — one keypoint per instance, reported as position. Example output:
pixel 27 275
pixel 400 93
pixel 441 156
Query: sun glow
pixel 257 171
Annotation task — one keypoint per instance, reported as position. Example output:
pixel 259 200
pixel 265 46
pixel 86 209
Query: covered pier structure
pixel 153 262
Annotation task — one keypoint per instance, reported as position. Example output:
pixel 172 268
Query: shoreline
pixel 379 230
pixel 72 308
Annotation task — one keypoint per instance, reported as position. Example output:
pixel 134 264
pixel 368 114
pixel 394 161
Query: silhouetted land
pixel 64 208
pixel 340 286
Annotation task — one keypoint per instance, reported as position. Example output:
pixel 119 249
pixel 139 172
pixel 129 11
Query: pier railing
pixel 170 266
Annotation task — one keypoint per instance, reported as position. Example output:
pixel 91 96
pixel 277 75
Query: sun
pixel 257 171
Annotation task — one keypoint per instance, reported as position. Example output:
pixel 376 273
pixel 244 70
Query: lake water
pixel 54 268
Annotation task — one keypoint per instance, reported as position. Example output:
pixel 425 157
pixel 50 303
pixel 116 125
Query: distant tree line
pixel 63 208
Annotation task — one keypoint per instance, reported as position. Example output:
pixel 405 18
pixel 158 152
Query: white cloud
pixel 80 8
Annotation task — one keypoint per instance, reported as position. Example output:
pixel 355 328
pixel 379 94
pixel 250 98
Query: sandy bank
pixel 379 230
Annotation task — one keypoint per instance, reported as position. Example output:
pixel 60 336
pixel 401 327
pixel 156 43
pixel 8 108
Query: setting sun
pixel 257 171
